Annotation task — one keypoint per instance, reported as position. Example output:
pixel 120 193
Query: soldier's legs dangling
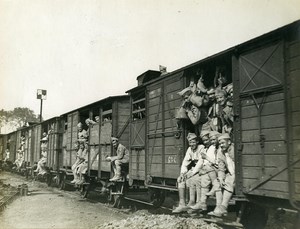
pixel 205 182
pixel 181 194
pixel 212 176
pixel 192 191
pixel 219 196
pixel 117 170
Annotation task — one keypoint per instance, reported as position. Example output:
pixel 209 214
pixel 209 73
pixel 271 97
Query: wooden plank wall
pixel 123 113
pixel 294 77
pixel 154 112
pixel 164 150
pixel 106 132
pixel 2 147
pixel 174 151
pixel 94 146
pixel 275 149
pixel 53 147
pixel 70 137
pixel 137 151
pixel 36 143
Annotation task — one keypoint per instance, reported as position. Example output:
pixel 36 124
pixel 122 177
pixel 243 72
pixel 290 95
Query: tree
pixel 18 117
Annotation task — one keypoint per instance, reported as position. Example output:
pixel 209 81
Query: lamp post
pixel 42 95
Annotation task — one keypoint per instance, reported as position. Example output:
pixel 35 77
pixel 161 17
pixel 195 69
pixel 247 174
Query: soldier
pixel 213 121
pixel 83 165
pixel 204 170
pixel 188 174
pixel 226 176
pixel 77 163
pixel 6 155
pixel 82 137
pixel 42 162
pixel 82 134
pixel 20 159
pixel 120 159
pixel 212 158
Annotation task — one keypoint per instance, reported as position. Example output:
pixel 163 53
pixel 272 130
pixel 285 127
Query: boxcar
pixel 114 113
pixel 265 76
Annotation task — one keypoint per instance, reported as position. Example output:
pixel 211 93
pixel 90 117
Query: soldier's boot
pixel 201 205
pixel 225 201
pixel 219 198
pixel 192 200
pixel 181 206
pixel 198 189
pixel 75 178
pixel 212 191
pixel 116 177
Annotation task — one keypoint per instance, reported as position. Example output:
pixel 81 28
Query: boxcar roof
pixel 105 100
pixel 270 35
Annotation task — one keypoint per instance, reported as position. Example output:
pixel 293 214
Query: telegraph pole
pixel 42 95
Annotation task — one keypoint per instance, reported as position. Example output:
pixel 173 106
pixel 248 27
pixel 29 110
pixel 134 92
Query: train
pixel 264 73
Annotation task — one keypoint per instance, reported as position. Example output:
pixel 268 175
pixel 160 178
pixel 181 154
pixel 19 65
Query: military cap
pixel 114 139
pixel 185 91
pixel 224 136
pixel 210 91
pixel 214 133
pixel 204 133
pixel 191 136
pixel 220 92
pixel 79 124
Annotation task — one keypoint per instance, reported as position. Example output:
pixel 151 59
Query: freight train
pixel 264 73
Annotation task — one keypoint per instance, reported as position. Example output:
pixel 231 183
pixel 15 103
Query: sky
pixel 82 51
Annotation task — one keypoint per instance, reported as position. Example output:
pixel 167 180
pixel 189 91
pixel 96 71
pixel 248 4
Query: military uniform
pixel 226 176
pixel 120 159
pixel 189 177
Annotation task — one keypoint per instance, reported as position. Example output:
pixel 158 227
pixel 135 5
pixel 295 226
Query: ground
pixel 47 207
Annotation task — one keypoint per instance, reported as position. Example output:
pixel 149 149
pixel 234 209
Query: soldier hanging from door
pixel 207 107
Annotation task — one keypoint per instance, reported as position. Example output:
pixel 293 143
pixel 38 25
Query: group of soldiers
pixel 208 108
pixel 19 162
pixel 207 169
pixel 81 164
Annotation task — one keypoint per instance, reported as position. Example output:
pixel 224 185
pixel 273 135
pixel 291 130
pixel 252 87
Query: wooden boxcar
pixel 53 129
pixel 138 122
pixel 2 146
pixel 266 131
pixel 114 113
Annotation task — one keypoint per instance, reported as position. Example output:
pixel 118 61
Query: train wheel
pixel 62 182
pixel 84 191
pixel 254 216
pixel 157 197
pixel 115 201
pixel 49 179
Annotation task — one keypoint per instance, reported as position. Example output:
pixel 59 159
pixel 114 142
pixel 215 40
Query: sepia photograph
pixel 162 114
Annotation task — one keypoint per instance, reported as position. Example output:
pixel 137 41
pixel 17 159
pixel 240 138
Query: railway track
pixel 7 195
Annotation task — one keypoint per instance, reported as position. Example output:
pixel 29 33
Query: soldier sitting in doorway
pixel 19 161
pixel 224 184
pixel 189 177
pixel 83 165
pixel 82 137
pixel 120 159
pixel 79 160
pixel 41 165
pixel 7 153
